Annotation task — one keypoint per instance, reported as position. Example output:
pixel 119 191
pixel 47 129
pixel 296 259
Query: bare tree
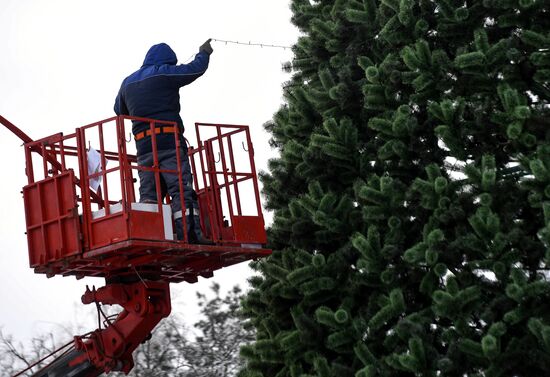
pixel 16 356
pixel 219 335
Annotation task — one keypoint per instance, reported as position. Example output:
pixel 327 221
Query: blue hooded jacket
pixel 153 92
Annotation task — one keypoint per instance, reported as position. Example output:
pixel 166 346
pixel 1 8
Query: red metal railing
pixel 222 175
pixel 218 182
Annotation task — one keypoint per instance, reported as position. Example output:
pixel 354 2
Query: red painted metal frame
pixel 124 242
pixel 137 263
pixel 231 179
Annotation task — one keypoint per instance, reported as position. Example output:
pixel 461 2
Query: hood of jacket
pixel 160 54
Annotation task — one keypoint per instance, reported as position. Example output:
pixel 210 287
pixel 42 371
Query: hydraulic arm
pixel 144 304
pixel 69 365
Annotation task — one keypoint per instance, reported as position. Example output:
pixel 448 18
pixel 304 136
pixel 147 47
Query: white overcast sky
pixel 61 65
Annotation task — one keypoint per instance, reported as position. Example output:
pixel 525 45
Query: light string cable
pixel 249 43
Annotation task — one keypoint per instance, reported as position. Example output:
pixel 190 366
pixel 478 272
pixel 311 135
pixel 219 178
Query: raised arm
pixel 185 74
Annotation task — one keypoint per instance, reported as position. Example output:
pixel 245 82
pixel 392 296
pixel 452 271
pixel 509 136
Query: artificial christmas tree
pixel 411 196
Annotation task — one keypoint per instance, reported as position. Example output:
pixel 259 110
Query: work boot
pixel 195 233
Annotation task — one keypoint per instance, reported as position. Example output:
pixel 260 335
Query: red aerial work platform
pixel 83 220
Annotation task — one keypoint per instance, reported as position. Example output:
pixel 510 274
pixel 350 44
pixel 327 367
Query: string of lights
pixel 243 44
pixel 250 43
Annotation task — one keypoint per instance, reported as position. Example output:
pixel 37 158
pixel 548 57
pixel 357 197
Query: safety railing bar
pixel 75 148
pixel 199 149
pixel 50 158
pixel 121 147
pixel 239 178
pixel 95 124
pixel 113 156
pixel 192 152
pixel 217 210
pixel 209 200
pixel 73 151
pixel 62 154
pixel 124 160
pixel 195 183
pixel 183 205
pixel 156 164
pixel 28 165
pixel 66 147
pixel 151 169
pixel 148 120
pixel 253 170
pixel 53 170
pixel 54 143
pixel 93 201
pixel 57 151
pixel 232 183
pixel 66 152
pixel 225 174
pixel 227 134
pixel 219 172
pixel 85 188
pixel 127 163
pixel 107 171
pixel 34 146
pixel 51 139
pixel 224 125
pixel 232 162
pixel 44 160
pixel 103 166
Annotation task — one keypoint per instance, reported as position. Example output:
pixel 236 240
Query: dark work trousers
pixel 169 183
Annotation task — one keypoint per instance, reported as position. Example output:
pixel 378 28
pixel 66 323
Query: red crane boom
pixel 85 222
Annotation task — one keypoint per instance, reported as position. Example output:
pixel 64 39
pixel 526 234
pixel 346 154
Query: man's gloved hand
pixel 206 47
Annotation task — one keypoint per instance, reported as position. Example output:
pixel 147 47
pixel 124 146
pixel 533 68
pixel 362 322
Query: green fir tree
pixel 411 233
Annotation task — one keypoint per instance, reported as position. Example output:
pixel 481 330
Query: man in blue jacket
pixel 153 92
